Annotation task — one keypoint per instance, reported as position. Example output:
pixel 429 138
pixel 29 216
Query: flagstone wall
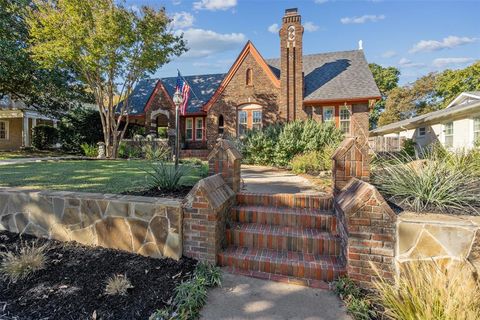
pixel 144 225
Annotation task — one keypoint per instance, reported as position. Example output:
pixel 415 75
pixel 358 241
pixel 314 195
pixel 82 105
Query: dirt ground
pixel 72 285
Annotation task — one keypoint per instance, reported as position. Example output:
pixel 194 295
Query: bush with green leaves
pixel 44 136
pixel 89 150
pixel 259 146
pixel 313 162
pixel 357 302
pixel 408 147
pixel 156 152
pixel 78 126
pixel 165 176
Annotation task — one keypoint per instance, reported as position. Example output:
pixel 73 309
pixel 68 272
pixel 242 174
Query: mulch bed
pixel 155 192
pixel 72 286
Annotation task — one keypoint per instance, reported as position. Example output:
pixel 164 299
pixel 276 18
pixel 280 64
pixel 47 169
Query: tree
pixel 386 79
pixel 451 83
pixel 109 46
pixel 50 91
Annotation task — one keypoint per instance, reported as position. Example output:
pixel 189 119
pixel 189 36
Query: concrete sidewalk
pixel 242 298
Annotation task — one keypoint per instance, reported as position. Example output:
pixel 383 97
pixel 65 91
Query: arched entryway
pixel 159 123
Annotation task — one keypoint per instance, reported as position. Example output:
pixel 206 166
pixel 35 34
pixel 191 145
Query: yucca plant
pixel 167 177
pixel 426 290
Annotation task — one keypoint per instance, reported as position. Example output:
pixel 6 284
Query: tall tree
pixel 21 78
pixel 109 46
pixel 451 83
pixel 386 79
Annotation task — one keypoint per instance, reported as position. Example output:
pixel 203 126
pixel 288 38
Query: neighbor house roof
pixel 448 114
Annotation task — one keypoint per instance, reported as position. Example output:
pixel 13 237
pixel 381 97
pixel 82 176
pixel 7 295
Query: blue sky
pixel 416 36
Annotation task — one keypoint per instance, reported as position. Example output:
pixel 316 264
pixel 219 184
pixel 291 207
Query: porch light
pixel 177 101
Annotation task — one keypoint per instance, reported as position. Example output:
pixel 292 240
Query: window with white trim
pixel 422 131
pixel 476 129
pixel 257 120
pixel 199 128
pixel 448 130
pixel 328 114
pixel 345 119
pixel 3 130
pixel 189 129
pixel 242 122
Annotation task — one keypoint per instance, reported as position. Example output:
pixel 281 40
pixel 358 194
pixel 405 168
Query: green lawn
pixel 105 176
pixel 4 155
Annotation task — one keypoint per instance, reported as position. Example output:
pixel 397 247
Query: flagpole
pixel 191 89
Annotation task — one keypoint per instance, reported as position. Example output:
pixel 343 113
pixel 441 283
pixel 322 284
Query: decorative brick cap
pixel 356 193
pixel 213 188
pixel 228 147
pixel 346 144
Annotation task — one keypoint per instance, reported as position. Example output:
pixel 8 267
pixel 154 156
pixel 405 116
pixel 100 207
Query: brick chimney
pixel 291 66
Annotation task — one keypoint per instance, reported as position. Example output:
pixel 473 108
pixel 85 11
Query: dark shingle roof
pixel 139 96
pixel 335 75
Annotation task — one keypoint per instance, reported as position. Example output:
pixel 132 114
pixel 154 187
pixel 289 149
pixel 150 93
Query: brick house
pixel 255 92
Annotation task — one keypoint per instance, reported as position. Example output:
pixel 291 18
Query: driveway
pixel 242 298
pixel 260 179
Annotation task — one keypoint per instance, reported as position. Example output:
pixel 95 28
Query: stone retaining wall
pixel 144 225
pixel 446 239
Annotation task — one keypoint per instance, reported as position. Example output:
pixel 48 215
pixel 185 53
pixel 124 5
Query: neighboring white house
pixel 455 127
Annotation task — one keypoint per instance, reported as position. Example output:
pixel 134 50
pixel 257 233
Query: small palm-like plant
pixel 167 177
pixel 18 266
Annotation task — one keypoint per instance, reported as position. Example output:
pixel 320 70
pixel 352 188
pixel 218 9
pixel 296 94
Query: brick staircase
pixel 283 237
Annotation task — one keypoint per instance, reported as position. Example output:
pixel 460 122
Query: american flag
pixel 184 89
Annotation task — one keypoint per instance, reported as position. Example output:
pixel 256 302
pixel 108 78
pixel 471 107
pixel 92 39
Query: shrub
pixel 118 285
pixel 408 147
pixel 166 177
pixel 18 266
pixel 313 162
pixel 44 136
pixel 259 146
pixel 156 152
pixel 211 274
pixel 441 182
pixel 89 150
pixel 78 126
pixel 426 290
pixel 357 303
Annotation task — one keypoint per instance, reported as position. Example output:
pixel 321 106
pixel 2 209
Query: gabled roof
pixel 465 97
pixel 139 97
pixel 342 75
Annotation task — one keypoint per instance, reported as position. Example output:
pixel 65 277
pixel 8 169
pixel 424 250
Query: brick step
pixel 313 241
pixel 293 217
pixel 284 263
pixel 297 200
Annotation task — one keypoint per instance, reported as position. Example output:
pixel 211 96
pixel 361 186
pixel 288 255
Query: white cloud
pixel 134 8
pixel 389 54
pixel 182 20
pixel 362 19
pixel 202 43
pixel 214 5
pixel 274 28
pixel 405 63
pixel 310 26
pixel 443 62
pixel 446 43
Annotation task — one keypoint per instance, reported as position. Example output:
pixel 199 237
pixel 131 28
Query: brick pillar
pixel 205 211
pixel 226 160
pixel 350 160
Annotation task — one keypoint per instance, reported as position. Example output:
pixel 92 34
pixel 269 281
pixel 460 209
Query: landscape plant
pixel 358 303
pixel 118 285
pixel 44 136
pixel 89 150
pixel 80 125
pixel 165 176
pixel 29 259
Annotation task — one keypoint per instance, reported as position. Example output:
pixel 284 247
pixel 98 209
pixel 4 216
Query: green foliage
pixel 78 126
pixel 450 83
pixel 44 136
pixel 89 150
pixel 279 144
pixel 209 272
pixel 313 162
pixel 408 147
pixel 18 266
pixel 386 79
pixel 357 303
pixel 166 177
pixel 156 152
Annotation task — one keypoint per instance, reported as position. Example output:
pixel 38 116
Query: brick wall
pixel 367 226
pixel 206 209
pixel 225 159
pixel 350 160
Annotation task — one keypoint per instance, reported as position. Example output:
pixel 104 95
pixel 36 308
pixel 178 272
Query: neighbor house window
pixel 449 134
pixel 476 129
pixel 3 130
pixel 249 77
pixel 198 128
pixel 189 129
pixel 327 114
pixel 242 122
pixel 220 124
pixel 345 119
pixel 422 131
pixel 257 120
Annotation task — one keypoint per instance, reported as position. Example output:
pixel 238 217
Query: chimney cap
pixel 291 11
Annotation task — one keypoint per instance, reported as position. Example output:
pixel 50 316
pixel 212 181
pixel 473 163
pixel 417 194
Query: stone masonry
pixel 144 225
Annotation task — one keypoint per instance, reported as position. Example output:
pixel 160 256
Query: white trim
pixel 253 119
pixel 450 135
pixel 324 109
pixel 7 130
pixel 187 128
pixel 201 128
pixel 421 135
pixel 245 123
pixel 349 109
pixel 462 96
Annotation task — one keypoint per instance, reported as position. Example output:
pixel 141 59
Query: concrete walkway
pixel 28 160
pixel 260 179
pixel 242 298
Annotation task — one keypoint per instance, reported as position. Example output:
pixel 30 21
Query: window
pixel 476 129
pixel 249 78
pixel 448 134
pixel 220 124
pixel 189 129
pixel 345 119
pixel 242 122
pixel 327 114
pixel 257 120
pixel 3 130
pixel 422 131
pixel 198 128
